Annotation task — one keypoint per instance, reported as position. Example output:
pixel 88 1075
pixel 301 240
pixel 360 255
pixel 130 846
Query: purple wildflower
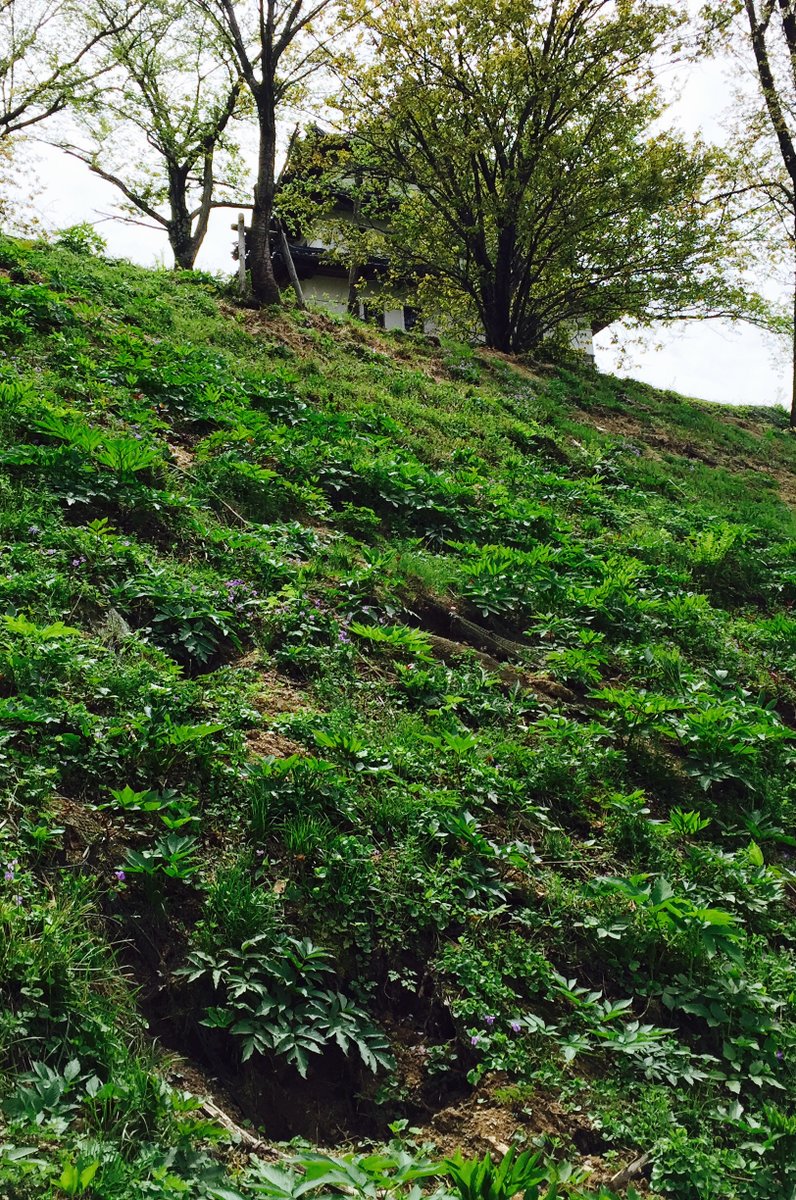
pixel 344 636
pixel 120 875
pixel 489 1019
pixel 515 1026
pixel 780 1054
pixel 18 901
pixel 474 1040
pixel 9 875
pixel 33 530
pixel 78 562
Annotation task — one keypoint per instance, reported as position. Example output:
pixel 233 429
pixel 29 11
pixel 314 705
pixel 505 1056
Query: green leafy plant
pixel 76 1177
pixel 395 638
pixel 173 856
pixel 276 1000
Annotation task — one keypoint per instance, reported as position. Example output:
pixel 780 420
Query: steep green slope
pixel 389 731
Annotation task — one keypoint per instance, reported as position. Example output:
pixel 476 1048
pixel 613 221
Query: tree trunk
pixel 265 289
pixel 495 293
pixel 352 304
pixel 503 288
pixel 793 384
pixel 180 226
pixel 497 324
pixel 183 247
pixel 184 252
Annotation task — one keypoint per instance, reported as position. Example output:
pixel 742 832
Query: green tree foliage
pixel 533 181
pixel 171 93
pixel 47 56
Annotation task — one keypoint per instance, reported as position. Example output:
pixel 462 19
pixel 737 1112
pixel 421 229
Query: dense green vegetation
pixel 386 729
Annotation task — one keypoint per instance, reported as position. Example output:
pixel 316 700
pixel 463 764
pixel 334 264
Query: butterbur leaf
pixel 69 1179
pixel 72 1070
pixel 179 735
pixel 755 855
pixel 88 1173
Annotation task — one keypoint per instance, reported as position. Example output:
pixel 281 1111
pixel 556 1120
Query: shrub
pixel 275 999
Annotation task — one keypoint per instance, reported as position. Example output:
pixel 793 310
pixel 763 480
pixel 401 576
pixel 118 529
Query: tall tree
pixel 158 131
pixel 516 139
pixel 47 56
pixel 771 33
pixel 275 45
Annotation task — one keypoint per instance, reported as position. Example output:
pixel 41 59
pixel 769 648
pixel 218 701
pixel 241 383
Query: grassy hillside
pixel 396 746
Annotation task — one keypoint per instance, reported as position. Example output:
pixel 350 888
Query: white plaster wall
pixel 330 292
pixel 581 339
pixel 394 318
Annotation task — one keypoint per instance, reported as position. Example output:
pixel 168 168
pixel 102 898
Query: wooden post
pixel 291 266
pixel 241 227
pixel 355 267
pixel 283 242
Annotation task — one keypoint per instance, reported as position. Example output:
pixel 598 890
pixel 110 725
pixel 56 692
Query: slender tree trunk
pixel 352 304
pixel 291 266
pixel 793 384
pixel 265 289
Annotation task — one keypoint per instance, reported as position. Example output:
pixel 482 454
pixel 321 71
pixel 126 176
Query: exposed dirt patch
pixel 618 425
pixel 281 329
pixel 493 650
pixel 786 483
pixel 183 458
pixel 482 1122
pixel 262 742
pixel 257 323
pixel 88 836
pixel 277 694
pixel 184 1074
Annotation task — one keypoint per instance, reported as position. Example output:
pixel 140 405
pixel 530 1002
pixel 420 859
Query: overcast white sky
pixel 711 360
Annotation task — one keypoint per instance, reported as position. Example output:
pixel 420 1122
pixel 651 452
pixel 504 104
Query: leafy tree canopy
pixel 169 95
pixel 47 57
pixel 537 185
